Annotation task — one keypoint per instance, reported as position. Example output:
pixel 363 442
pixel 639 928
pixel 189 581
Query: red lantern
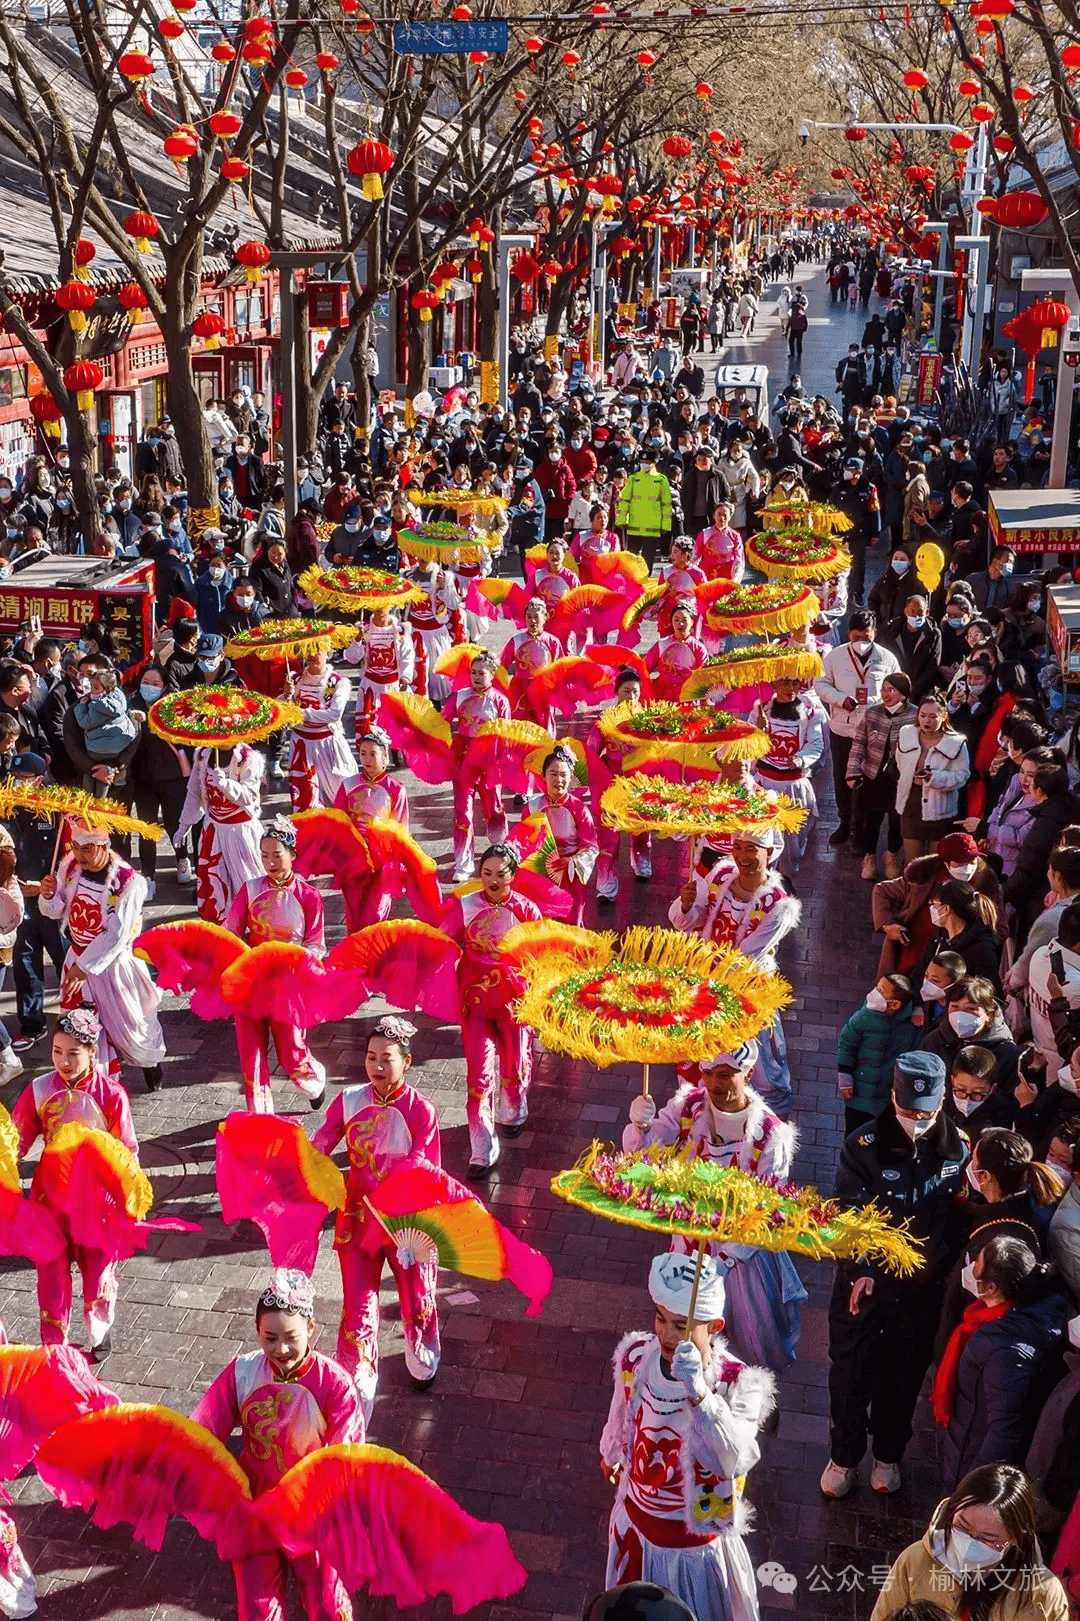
pixel 370 160
pixel 223 52
pixel 296 78
pixel 258 52
pixel 81 255
pixel 425 301
pixel 961 141
pixel 916 79
pixel 570 59
pixel 235 170
pixel 1003 145
pixel 133 299
pixel 855 133
pixel 182 144
pixel 82 378
pixel 968 87
pixel 551 268
pixel 678 146
pixel 171 28
pixel 326 62
pixel 461 14
pixel 47 414
pixel 478 58
pixel 209 326
pixel 254 256
pixel 703 91
pixel 1019 210
pixel 135 66
pixel 646 59
pixel 533 44
pixel 141 226
pixel 1070 56
pixel 225 124
pixel 1022 94
pixel 982 112
pixel 475 267
pixel 75 298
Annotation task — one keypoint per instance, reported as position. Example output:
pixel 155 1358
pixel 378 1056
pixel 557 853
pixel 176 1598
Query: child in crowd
pixel 869 1045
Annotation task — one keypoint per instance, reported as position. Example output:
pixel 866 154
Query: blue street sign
pixel 451 39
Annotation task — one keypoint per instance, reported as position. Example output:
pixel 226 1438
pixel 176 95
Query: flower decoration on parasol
pixel 697 733
pixel 657 998
pixel 219 717
pixel 351 589
pixel 796 554
pixel 666 1191
pixel 814 515
pixel 288 639
pixel 641 804
pixel 50 799
pixel 444 542
pixel 459 501
pixel 745 666
pixel 772 605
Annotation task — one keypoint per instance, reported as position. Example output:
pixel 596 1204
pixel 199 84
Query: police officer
pixel 857 495
pixel 911 1160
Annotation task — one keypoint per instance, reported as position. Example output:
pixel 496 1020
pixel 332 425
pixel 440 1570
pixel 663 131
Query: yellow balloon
pixel 929 563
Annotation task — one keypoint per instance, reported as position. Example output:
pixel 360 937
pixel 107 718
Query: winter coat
pixel 211 598
pixel 919 658
pixel 977 945
pixel 997 1039
pixel 947 762
pixel 868 1046
pixel 645 505
pixel 1027 886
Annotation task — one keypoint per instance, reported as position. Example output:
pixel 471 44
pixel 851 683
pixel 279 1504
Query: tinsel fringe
pixel 314 584
pixel 621 808
pixel 289 643
pixel 771 664
pixel 50 799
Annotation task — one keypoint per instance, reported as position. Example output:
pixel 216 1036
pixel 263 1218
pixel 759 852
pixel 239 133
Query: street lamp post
pixel 507 244
pixel 287 264
pixel 1060 284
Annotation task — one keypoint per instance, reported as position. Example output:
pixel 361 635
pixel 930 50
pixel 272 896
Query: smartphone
pixel 1057 965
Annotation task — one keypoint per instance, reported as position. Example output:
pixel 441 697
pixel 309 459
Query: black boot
pixel 153 1078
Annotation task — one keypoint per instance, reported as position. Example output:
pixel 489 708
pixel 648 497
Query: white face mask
pixel 861 649
pixel 965 1106
pixel 245 603
pixel 931 992
pixel 962 1554
pixel 875 1001
pixel 148 693
pixel 938 915
pixel 965 872
pixel 969 1280
pixel 216 573
pixel 915 1128
pixel 1066 1079
pixel 965 1023
pixel 973 1180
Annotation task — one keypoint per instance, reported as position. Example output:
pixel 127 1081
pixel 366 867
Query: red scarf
pixel 943 1395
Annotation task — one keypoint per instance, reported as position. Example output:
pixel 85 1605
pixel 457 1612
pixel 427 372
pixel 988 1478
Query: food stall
pixel 1036 524
pixel 68 593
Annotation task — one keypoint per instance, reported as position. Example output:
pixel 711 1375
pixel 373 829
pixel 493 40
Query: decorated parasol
pixel 288 639
pixel 644 804
pixel 814 515
pixel 219 717
pixel 666 736
pixel 652 593
pixel 445 543
pixel 459 501
pixel 745 666
pixel 351 589
pixel 796 554
pixel 50 799
pixel 771 605
pixel 657 998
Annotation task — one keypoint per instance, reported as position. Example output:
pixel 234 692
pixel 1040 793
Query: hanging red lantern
pixel 443 274
pixel 75 298
pixel 182 144
pixel 646 59
pixel 916 79
pixel 533 44
pixel 47 414
pixel 462 14
pixel 1022 94
pixel 235 170
pixel 1018 210
pixel 327 62
pixel 425 301
pixel 982 112
pixel 703 91
pixel 223 52
pixel 571 60
pixel 141 226
pixel 475 267
pixel 81 255
pixel 716 137
pixel 961 141
pixel 257 27
pixel 254 256
pixel 209 326
pixel 133 299
pixel 225 124
pixel 171 28
pixel 678 146
pixel 968 87
pixel 1003 145
pixel 855 133
pixel 258 52
pixel 369 161
pixel 478 58
pixel 82 379
pixel 135 66
pixel 1070 56
pixel 296 78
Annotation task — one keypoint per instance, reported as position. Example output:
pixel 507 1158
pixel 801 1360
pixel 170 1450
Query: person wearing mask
pixel 972 1017
pixel 159 773
pixel 871 775
pixel 212 591
pixel 1056 806
pixel 248 474
pixel 273 580
pixel 210 667
pixel 910 1159
pixel 745 483
pixel 993 588
pixel 644 512
pixel 557 486
pixel 242 611
pixel 889 594
pixel 967 527
pixel 964 921
pixel 857 497
pixel 975 1101
pixel 851 679
pixel 703 486
pixel 980 1559
pixel 932 767
pixel 302 539
pixel 851 379
pixel 1064 879
pixel 525 512
pixel 916 642
pixel 869 1044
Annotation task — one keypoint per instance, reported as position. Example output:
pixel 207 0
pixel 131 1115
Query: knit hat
pixel 919 1082
pixel 958 848
pixel 671 1283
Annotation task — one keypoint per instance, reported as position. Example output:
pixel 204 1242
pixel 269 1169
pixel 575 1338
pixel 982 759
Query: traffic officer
pixel 911 1160
pixel 857 496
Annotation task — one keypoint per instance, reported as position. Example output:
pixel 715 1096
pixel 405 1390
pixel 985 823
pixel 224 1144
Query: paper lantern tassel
pixel 372 187
pixel 142 244
pixel 77 320
pixel 84 399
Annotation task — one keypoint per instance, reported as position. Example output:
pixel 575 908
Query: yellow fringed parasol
pixel 814 515
pixel 651 593
pixel 288 639
pixel 745 666
pixel 694 733
pixel 773 605
pixel 352 589
pixel 219 717
pixel 538 556
pixel 644 804
pixel 443 542
pixel 49 799
pixel 459 501
pixel 796 554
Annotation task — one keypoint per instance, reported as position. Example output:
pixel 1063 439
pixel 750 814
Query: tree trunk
pixel 558 305
pixel 81 449
pixel 185 407
pixel 362 385
pixel 488 313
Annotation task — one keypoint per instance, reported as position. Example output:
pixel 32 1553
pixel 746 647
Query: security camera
pixel 804 132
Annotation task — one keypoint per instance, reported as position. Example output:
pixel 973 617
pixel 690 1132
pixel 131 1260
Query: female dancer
pixel 572 827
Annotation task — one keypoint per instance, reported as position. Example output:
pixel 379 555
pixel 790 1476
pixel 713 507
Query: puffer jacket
pixel 868 1046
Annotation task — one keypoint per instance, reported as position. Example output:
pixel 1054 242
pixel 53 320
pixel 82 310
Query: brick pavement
pixel 512 1424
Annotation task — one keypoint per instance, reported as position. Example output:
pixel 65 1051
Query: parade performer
pixel 99 898
pixel 605 757
pixel 679 580
pixel 320 760
pixel 288 1401
pixel 679 1440
pixel 386 662
pixel 671 659
pixel 746 903
pixel 278 905
pixel 552 579
pixel 77 1090
pixel 383 1121
pixel 224 789
pixel 437 624
pixel 796 724
pixel 719 549
pixel 571 826
pixel 498 1050
pixel 468 712
pixel 373 794
pixel 596 541
pixel 718 1116
pixel 530 650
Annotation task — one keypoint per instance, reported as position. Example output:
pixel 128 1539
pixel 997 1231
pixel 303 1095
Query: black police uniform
pixel 878 1358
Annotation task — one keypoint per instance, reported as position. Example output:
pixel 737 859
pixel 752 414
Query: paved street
pixel 512 1424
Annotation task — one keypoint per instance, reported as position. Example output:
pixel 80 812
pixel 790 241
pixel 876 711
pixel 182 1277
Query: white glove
pixel 642 1112
pixel 687 1365
pixel 406 1255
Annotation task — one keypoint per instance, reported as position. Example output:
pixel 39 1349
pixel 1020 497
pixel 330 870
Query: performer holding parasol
pixel 571 826
pixel 672 659
pixel 468 712
pixel 605 756
pixel 797 726
pixel 525 654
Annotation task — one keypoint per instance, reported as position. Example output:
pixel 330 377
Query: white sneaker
pixel 885 1478
pixel 837 1481
pixel 10 1065
pixel 184 874
pixel 643 869
pixel 151 889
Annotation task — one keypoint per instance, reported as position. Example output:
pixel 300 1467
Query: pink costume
pixel 720 552
pixel 797 733
pixel 523 655
pixel 369 896
pixel 679 1513
pixel 471 710
pixel 18 1589
pixel 48 1103
pixel 550 585
pixel 102 915
pixel 605 764
pixel 670 662
pixel 434 623
pixel 228 800
pixel 574 831
pixel 282 1420
pixel 386 663
pixel 680 583
pixel 320 760
pixel 292 912
pixel 498 1050
pixel 587 545
pixel 380 1133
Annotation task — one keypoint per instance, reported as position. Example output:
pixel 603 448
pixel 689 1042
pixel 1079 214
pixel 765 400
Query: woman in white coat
pixel 932 761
